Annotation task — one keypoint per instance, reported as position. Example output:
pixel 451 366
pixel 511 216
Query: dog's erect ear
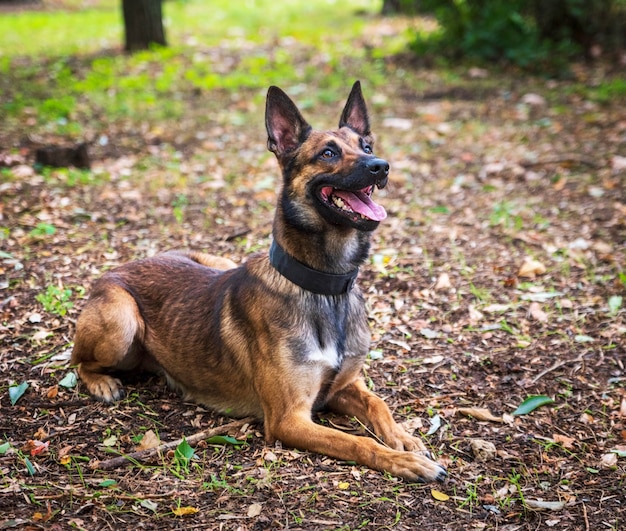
pixel 286 128
pixel 354 114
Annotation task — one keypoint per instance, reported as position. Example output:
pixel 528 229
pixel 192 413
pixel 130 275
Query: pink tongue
pixel 363 204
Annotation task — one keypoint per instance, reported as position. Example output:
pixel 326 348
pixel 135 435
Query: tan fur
pixel 245 340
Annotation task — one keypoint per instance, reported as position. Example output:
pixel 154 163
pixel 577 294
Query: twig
pixel 556 366
pixel 585 516
pixel 116 462
pixel 565 160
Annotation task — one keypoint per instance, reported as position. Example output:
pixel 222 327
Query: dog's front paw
pixel 417 467
pixel 106 388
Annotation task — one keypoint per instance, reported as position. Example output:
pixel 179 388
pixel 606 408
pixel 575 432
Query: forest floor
pixel 499 275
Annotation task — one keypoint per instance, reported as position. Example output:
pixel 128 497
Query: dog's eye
pixel 328 154
pixel 367 148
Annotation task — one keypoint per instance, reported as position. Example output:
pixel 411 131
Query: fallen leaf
pixel 52 392
pixel 438 495
pixel 428 333
pixel 622 409
pixel 344 485
pixel 566 442
pixel 184 511
pixel 69 381
pixel 608 460
pixel 479 413
pixel 254 510
pixel 435 424
pixel 150 505
pixel 531 403
pixel 270 456
pixel 149 440
pixel 110 441
pixel 497 308
pixel 16 392
pixel 531 268
pixel 540 505
pixel 443 282
pixel 537 313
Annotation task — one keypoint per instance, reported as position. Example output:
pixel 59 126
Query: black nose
pixel 378 167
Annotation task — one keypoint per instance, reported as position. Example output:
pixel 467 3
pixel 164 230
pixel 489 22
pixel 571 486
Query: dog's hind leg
pixel 107 334
pixel 209 260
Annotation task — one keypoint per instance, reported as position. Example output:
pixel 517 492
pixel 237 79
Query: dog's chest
pixel 334 331
pixel 328 355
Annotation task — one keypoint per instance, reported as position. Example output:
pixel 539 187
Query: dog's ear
pixel 354 114
pixel 286 128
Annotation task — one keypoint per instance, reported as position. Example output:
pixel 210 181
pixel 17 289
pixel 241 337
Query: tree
pixel 396 7
pixel 143 24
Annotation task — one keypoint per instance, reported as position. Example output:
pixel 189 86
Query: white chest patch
pixel 328 356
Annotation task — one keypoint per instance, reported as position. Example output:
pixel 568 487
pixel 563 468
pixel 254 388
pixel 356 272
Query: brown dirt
pixel 481 180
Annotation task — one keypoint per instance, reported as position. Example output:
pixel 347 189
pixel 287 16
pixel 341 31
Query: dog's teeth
pixel 340 203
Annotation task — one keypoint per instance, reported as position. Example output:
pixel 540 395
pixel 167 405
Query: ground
pixel 498 276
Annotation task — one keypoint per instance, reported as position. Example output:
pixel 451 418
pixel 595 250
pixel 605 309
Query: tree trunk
pixel 400 7
pixel 143 24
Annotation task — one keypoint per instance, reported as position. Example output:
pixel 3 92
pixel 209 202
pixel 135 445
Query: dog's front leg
pixel 296 429
pixel 356 400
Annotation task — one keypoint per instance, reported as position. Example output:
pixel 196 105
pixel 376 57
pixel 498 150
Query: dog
pixel 285 334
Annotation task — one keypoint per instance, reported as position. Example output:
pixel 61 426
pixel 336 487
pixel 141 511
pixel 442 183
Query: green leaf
pixel 4 448
pixel 183 450
pixel 16 392
pixel 620 453
pixel 580 338
pixel 69 381
pixel 29 466
pixel 376 354
pixel 150 505
pixel 107 483
pixel 615 303
pixel 224 440
pixel 532 403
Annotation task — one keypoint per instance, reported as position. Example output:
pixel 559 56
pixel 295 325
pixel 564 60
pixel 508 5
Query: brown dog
pixel 283 335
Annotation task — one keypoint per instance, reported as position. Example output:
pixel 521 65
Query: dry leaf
pixel 344 485
pixel 622 409
pixel 537 313
pixel 479 413
pixel 608 460
pixel 496 308
pixel 531 268
pixel 540 505
pixel 270 456
pixel 149 440
pixel 438 495
pixel 566 442
pixel 52 392
pixel 443 282
pixel 254 510
pixel 184 511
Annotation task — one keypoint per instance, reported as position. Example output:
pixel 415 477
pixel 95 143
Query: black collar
pixel 310 279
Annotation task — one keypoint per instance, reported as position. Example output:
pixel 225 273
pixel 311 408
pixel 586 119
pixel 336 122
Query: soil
pixel 487 170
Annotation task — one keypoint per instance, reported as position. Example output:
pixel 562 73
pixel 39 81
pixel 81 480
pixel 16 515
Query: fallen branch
pixel 140 455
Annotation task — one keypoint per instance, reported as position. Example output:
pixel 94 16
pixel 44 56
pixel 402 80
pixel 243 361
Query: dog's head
pixel 329 176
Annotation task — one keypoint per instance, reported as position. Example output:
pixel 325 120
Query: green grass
pixel 187 23
pixel 60 69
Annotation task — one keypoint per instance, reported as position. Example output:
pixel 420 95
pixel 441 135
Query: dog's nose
pixel 378 167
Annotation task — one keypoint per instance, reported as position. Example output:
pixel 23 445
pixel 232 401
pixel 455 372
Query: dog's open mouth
pixel 357 204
